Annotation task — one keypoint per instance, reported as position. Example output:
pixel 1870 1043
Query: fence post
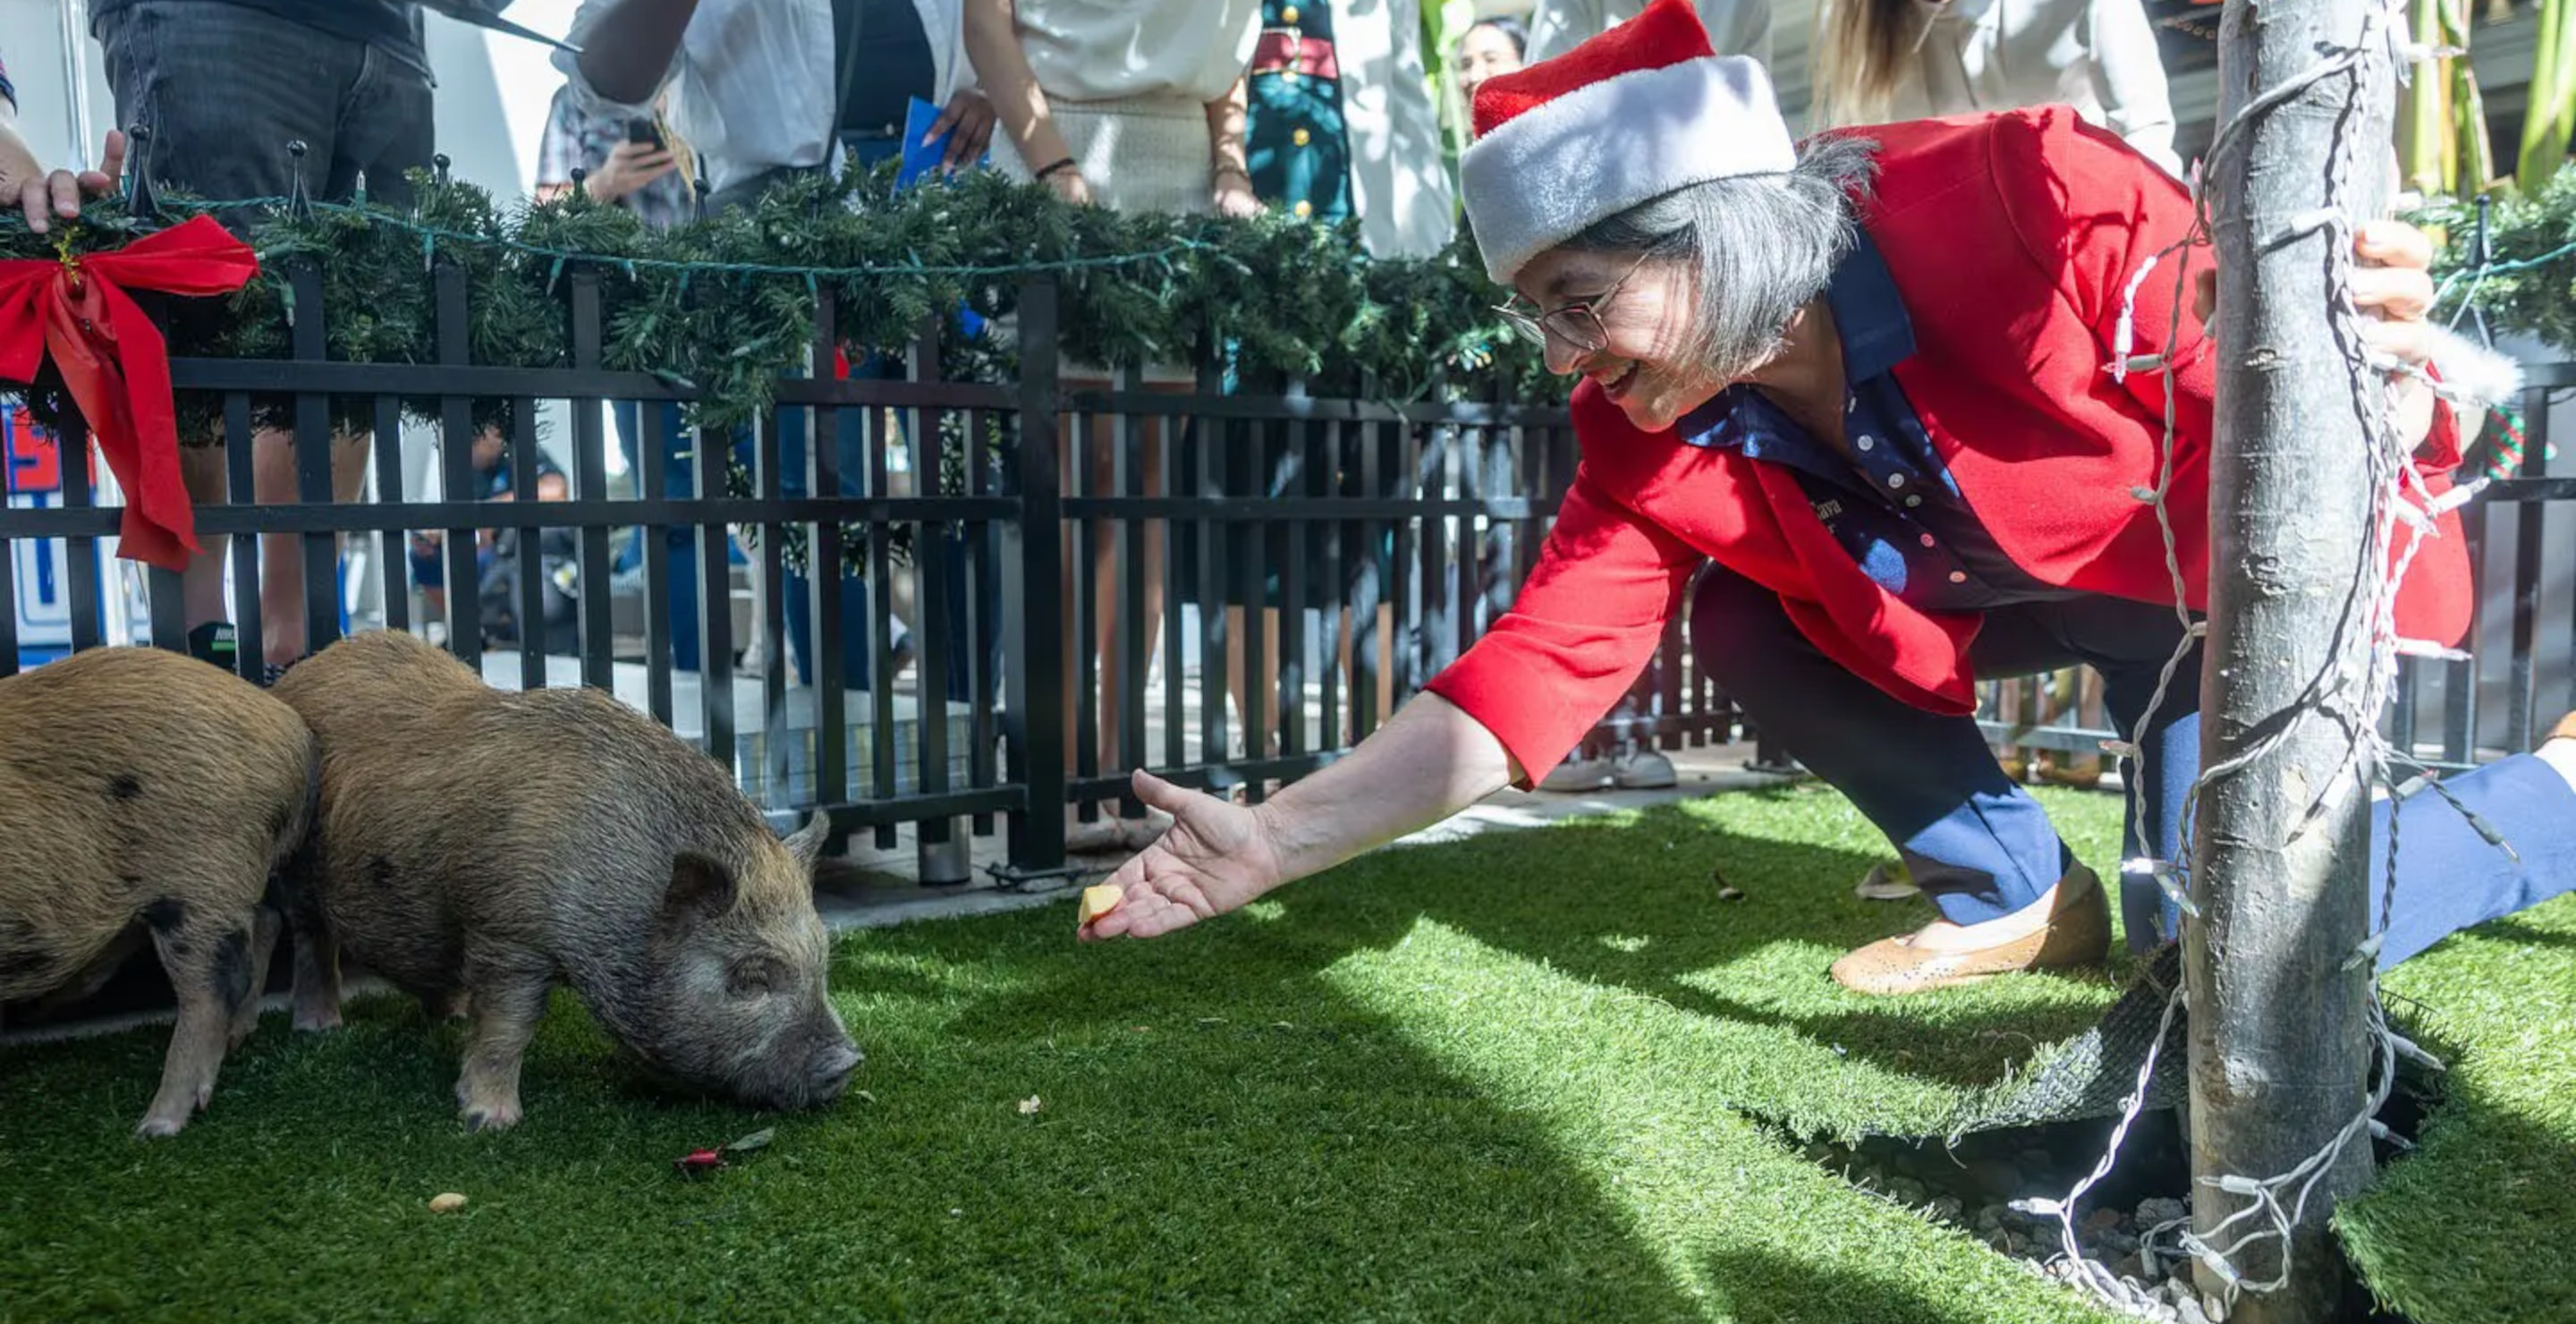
pixel 2279 1050
pixel 1038 606
pixel 322 596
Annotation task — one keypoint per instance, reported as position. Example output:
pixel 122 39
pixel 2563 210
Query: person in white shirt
pixel 1735 27
pixel 1878 61
pixel 762 87
pixel 1138 106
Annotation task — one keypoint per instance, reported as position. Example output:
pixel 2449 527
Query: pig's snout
pixel 832 1070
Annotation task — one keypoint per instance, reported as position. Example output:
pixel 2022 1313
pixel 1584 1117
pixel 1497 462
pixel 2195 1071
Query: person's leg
pixel 1638 765
pixel 201 584
pixel 1239 679
pixel 174 68
pixel 383 128
pixel 679 483
pixel 429 570
pixel 752 647
pixel 1118 672
pixel 626 417
pixel 1976 844
pixel 1381 700
pixel 2131 644
pixel 386 130
pixel 283 637
pixel 2449 877
pixel 860 624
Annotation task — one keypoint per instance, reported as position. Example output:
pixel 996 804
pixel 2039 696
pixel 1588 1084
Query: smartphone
pixel 642 131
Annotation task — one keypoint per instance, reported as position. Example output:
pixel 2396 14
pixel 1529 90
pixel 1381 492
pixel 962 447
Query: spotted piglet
pixel 148 797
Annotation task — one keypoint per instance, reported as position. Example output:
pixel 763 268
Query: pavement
pixel 871 887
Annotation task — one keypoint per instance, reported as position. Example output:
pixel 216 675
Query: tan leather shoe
pixel 2566 728
pixel 2078 934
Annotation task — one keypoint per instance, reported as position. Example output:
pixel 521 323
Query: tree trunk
pixel 2278 1049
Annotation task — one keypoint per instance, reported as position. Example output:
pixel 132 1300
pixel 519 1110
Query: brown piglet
pixel 148 797
pixel 476 848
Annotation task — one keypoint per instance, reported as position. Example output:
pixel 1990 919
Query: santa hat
pixel 1628 116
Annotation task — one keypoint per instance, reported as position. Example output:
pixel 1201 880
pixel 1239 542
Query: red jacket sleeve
pixel 1578 634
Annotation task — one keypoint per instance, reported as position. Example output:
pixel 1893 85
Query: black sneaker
pixel 212 643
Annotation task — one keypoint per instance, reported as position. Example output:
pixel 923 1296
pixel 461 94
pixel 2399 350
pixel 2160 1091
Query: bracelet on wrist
pixel 1056 168
pixel 1235 170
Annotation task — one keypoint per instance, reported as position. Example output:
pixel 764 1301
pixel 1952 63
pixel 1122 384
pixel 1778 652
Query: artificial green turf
pixel 1512 1078
pixel 2475 1227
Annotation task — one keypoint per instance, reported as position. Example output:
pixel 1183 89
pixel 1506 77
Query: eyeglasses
pixel 1577 324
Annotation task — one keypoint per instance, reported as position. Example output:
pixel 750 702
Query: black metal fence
pixel 1229 587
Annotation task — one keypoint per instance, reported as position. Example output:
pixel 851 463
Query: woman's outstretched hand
pixel 1428 762
pixel 1216 857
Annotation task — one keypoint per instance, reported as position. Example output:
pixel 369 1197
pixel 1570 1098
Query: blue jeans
pixel 1981 848
pixel 859 622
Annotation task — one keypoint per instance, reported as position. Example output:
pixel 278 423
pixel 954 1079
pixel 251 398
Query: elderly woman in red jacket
pixel 1850 399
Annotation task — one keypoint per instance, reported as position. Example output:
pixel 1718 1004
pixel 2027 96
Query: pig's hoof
pixel 156 1127
pixel 499 1117
pixel 317 1022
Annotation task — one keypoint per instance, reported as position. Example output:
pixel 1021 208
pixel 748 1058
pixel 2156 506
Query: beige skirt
pixel 1137 154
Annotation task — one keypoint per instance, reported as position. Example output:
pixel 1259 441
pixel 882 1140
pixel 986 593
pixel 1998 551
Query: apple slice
pixel 1099 901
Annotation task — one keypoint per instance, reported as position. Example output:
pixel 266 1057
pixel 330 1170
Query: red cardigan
pixel 2011 238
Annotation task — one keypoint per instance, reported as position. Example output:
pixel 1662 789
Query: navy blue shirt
pixel 885 62
pixel 1891 503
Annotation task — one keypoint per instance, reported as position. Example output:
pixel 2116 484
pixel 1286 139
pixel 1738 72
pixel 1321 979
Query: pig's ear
pixel 807 844
pixel 701 889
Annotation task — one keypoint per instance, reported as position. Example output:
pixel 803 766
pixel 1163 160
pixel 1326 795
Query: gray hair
pixel 1764 246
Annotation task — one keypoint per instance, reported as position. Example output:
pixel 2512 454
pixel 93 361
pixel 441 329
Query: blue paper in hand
pixel 921 158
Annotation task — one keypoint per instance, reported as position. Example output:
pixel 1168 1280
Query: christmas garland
pixel 2525 281
pixel 724 306
pixel 2522 282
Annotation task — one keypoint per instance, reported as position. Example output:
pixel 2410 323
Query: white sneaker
pixel 1643 770
pixel 1577 775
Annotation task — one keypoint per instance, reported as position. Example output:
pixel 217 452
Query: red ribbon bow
pixel 118 368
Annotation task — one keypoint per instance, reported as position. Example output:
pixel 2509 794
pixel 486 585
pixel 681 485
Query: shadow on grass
pixel 1762 1287
pixel 1264 1152
pixel 2512 929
